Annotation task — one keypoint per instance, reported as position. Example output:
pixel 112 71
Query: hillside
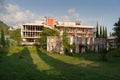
pixel 4 27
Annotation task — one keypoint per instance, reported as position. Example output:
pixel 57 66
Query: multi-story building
pixel 81 36
pixel 31 31
pixel 76 29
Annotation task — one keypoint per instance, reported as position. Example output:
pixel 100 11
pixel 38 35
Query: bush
pixel 4 50
pixel 104 56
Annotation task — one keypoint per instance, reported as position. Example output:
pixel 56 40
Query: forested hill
pixel 4 27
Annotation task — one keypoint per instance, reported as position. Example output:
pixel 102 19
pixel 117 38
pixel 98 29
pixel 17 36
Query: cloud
pixel 13 15
pixel 12 8
pixel 2 8
pixel 72 15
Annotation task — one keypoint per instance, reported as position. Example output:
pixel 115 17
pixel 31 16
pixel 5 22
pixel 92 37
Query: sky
pixel 89 12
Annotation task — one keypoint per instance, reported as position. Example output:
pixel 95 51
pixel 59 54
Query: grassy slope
pixel 30 63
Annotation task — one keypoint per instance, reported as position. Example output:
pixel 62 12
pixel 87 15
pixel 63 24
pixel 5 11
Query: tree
pixel 15 35
pixel 43 36
pixel 110 34
pixel 117 32
pixel 105 32
pixel 65 41
pixel 4 27
pixel 2 39
pixel 101 32
pixel 97 31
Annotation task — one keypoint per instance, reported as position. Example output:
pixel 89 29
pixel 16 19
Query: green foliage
pixel 2 39
pixel 4 27
pixel 4 31
pixel 101 32
pixel 110 34
pixel 7 42
pixel 15 35
pixel 42 41
pixel 97 30
pixel 106 34
pixel 104 56
pixel 65 42
pixel 12 43
pixel 43 36
pixel 117 32
pixel 49 32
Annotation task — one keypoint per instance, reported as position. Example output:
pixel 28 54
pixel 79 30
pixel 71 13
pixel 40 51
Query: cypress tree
pixel 101 32
pixel 106 35
pixel 110 34
pixel 97 31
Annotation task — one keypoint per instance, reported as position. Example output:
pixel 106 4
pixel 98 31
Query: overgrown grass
pixel 31 63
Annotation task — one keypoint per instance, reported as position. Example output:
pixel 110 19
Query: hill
pixel 4 27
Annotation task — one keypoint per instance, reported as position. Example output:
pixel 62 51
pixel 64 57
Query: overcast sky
pixel 17 12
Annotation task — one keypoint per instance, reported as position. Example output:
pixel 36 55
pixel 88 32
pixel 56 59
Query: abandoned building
pixel 82 36
pixel 112 41
pixel 53 43
pixel 100 43
pixel 31 31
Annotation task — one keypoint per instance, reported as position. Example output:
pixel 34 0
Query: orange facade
pixel 50 22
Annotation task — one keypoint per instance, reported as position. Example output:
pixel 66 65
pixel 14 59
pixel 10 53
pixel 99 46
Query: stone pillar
pixel 77 49
pixel 82 49
pixel 61 50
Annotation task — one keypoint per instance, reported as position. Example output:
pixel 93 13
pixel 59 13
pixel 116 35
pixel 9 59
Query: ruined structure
pixel 31 31
pixel 83 37
pixel 53 44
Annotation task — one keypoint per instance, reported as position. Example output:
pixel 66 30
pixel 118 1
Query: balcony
pixel 31 37
pixel 31 31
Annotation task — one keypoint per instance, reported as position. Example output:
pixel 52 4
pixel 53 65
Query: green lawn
pixel 30 63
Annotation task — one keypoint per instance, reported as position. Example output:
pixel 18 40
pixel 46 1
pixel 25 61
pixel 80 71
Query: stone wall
pixel 53 44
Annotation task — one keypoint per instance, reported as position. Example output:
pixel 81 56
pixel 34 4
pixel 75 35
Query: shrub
pixel 104 56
